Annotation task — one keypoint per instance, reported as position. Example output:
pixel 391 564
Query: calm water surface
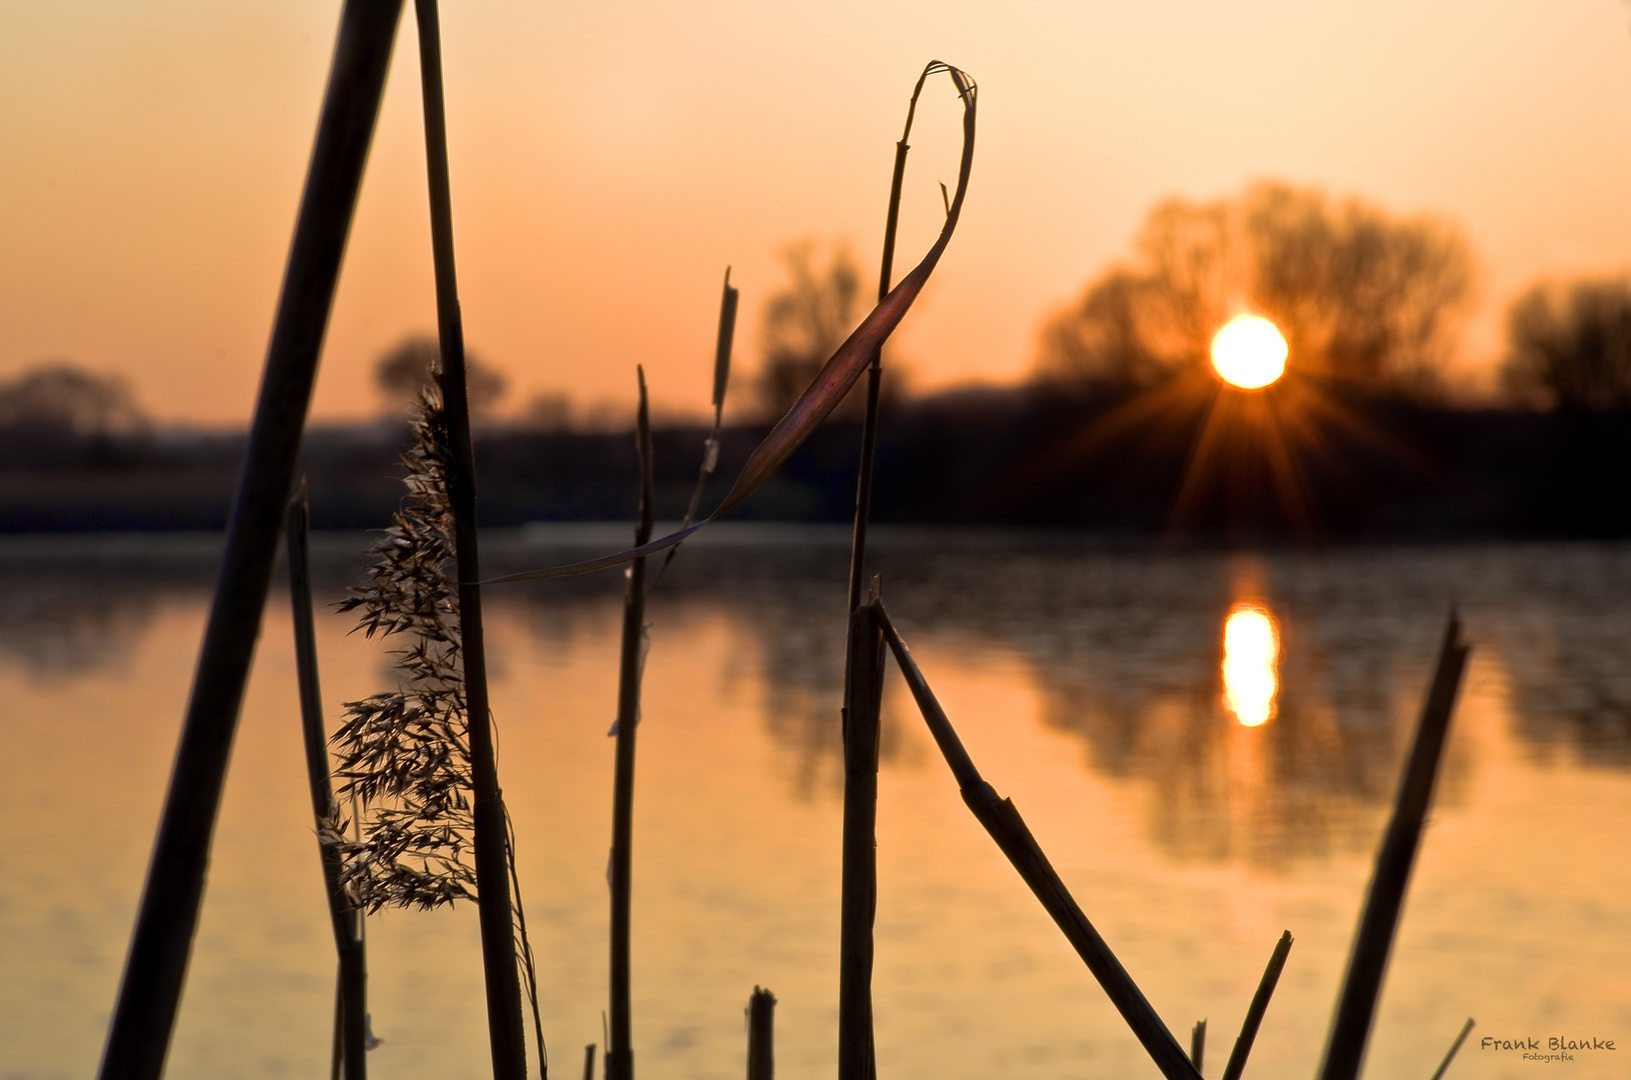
pixel 1205 744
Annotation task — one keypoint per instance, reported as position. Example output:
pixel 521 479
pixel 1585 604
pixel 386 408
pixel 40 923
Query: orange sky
pixel 609 160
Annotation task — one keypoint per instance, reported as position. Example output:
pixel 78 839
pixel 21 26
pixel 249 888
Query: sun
pixel 1249 352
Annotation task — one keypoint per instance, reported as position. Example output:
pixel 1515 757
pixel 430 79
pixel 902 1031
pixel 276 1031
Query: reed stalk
pixel 1002 821
pixel 710 449
pixel 346 921
pixel 156 965
pixel 619 1052
pixel 1259 1006
pixel 589 1062
pixel 858 900
pixel 1197 1045
pixel 761 1035
pixel 886 271
pixel 506 1033
pixel 1379 918
pixel 1438 1074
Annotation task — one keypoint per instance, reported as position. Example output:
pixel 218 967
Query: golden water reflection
pixel 1091 689
pixel 1251 664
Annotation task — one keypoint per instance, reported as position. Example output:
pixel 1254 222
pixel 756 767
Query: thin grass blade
pixel 1379 919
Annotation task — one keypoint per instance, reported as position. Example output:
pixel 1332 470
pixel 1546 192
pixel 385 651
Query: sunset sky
pixel 609 160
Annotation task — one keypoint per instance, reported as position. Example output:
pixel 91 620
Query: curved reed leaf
pixel 832 382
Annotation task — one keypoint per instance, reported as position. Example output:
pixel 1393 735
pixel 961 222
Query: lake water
pixel 1195 816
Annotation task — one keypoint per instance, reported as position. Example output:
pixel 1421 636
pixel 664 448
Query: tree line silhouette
pixel 1104 434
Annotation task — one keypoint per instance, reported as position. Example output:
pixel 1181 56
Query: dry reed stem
pixel 710 449
pixel 761 1035
pixel 351 1001
pixel 1466 1028
pixel 619 1053
pixel 858 899
pixel 1384 900
pixel 1258 1007
pixel 155 967
pixel 506 1033
pixel 1003 822
pixel 1197 1045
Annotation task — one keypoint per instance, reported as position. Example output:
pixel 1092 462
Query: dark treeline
pixel 1042 455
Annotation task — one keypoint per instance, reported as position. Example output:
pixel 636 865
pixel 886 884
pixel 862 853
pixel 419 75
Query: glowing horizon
pixel 155 160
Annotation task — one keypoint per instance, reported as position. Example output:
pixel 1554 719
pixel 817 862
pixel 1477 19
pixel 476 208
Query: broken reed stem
pixel 858 900
pixel 589 1062
pixel 1259 1006
pixel 761 1035
pixel 1379 919
pixel 619 1054
pixel 352 987
pixel 1454 1047
pixel 1003 822
pixel 155 967
pixel 506 1033
pixel 1197 1045
pixel 710 449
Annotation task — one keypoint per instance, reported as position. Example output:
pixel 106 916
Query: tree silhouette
pixel 1569 345
pixel 59 400
pixel 1363 298
pixel 410 364
pixel 803 324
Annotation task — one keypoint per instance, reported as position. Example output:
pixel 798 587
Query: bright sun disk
pixel 1249 352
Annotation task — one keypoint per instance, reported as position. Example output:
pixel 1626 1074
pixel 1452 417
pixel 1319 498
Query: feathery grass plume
pixel 1002 821
pixel 405 753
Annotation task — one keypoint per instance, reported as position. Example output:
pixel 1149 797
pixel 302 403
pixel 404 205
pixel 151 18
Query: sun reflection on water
pixel 1251 659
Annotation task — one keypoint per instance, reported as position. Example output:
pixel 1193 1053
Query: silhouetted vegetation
pixel 58 415
pixel 410 367
pixel 1363 298
pixel 1569 346
pixel 803 324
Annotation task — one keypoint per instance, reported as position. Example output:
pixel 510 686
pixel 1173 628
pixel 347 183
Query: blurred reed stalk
pixel 1258 1007
pixel 155 968
pixel 710 448
pixel 1197 1045
pixel 863 688
pixel 632 662
pixel 506 1034
pixel 589 1062
pixel 1002 821
pixel 1379 918
pixel 1438 1074
pixel 761 1035
pixel 351 1005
